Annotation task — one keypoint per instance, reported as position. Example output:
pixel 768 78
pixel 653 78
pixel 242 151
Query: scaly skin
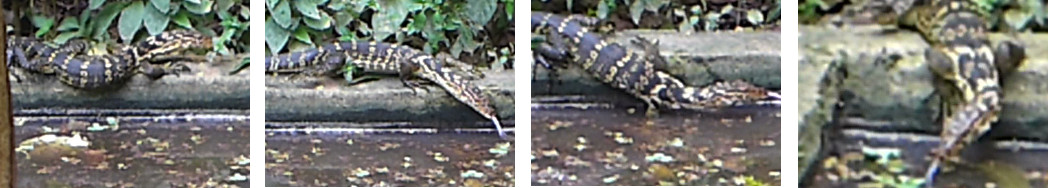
pixel 384 58
pixel 640 76
pixel 95 71
pixel 967 70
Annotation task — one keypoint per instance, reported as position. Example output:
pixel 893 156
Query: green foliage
pixel 638 7
pixel 155 16
pixel 605 7
pixel 1026 13
pixel 809 10
pixel 455 25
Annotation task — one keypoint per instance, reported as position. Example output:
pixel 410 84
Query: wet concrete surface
pixel 134 151
pixel 326 155
pixel 605 141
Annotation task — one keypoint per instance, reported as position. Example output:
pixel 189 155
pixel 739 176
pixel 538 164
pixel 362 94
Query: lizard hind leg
pixel 409 78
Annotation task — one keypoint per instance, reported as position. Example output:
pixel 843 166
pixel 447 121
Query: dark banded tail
pixel 292 61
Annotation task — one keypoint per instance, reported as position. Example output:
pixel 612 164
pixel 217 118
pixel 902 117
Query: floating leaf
pixel 156 21
pixel 387 21
pixel 480 11
pixel 131 21
pixel 276 36
pixel 281 14
pixel 161 5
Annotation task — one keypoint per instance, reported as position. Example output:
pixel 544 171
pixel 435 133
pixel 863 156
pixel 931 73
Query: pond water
pixel 579 143
pixel 316 154
pixel 136 151
pixel 850 159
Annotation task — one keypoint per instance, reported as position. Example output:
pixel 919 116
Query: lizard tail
pixel 292 60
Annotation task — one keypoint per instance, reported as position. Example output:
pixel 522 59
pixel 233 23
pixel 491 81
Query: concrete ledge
pixel 380 101
pixel 698 59
pixel 208 86
pixel 885 77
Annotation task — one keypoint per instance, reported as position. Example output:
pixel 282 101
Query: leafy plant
pixel 638 7
pixel 455 25
pixel 155 16
pixel 809 10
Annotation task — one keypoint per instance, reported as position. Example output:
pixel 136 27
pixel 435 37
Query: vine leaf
pixel 603 9
pixel 393 12
pixel 65 37
pixel 342 19
pixel 464 43
pixel 281 14
pixel 480 11
pixel 319 24
pixel 307 8
pixel 509 9
pixel 156 20
pixel 130 21
pixel 43 24
pixel 95 4
pixel 302 35
pixel 271 3
pixel 755 16
pixel 182 19
pixel 220 43
pixel 222 8
pixel 276 36
pixel 639 6
pixel 105 18
pixel 202 7
pixel 161 5
pixel 68 24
